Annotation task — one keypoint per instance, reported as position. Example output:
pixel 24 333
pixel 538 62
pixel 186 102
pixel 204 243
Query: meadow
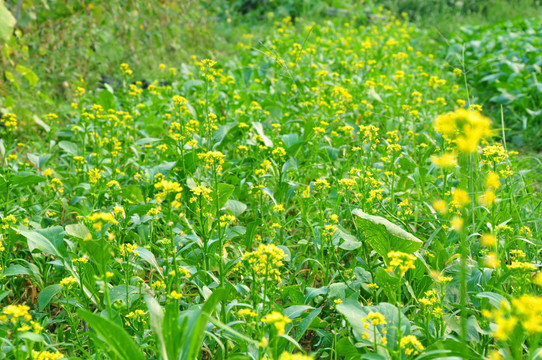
pixel 330 189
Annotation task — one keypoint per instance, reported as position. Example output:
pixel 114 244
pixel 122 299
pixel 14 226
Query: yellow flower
pixel 487 198
pixel 457 223
pixel 175 295
pixel 445 161
pixel 440 206
pixel 247 313
pixel 287 356
pixel 402 261
pixel 488 240
pixel 266 260
pixel 125 69
pixel 17 311
pixel 375 318
pixel 411 345
pixel 492 260
pixel 94 175
pixel 47 355
pixel 280 321
pixel 505 326
pixel 466 127
pixel 68 282
pixel 461 197
pixel 9 120
pixel 492 181
pixel 99 218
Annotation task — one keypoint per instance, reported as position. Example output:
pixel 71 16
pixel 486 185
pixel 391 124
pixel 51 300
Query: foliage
pixel 503 63
pixel 59 45
pixel 323 192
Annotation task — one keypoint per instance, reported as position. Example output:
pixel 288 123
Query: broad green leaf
pixel 133 194
pixel 39 160
pixel 236 207
pixel 494 299
pixel 98 250
pixel 223 131
pixel 79 231
pixel 68 147
pixel 7 22
pixel 224 193
pixel 107 99
pixel 55 234
pixel 198 331
pixel 28 335
pixel 28 74
pixel 46 295
pixel 354 313
pixel 127 293
pixel 374 95
pixel 146 140
pixel 149 258
pixel 41 123
pixel 17 269
pixel 258 127
pixel 156 320
pixel 38 241
pixel 384 236
pixel 120 344
pixel 3 294
pixel 25 179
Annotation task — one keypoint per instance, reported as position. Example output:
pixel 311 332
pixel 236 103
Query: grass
pixel 328 190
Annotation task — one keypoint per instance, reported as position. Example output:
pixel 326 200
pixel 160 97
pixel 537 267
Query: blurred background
pixel 49 47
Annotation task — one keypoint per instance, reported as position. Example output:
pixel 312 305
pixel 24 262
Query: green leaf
pixel 26 179
pixel 47 294
pixel 157 318
pixel 198 331
pixel 350 242
pixel 346 349
pixel 258 127
pixel 39 160
pixel 133 194
pixel 354 313
pixel 7 22
pixel 79 231
pixel 41 123
pixel 494 299
pixel 98 250
pixel 236 207
pixel 17 269
pixel 4 294
pixel 384 236
pixel 27 335
pixel 38 241
pixel 120 292
pixel 223 131
pixel 107 100
pixel 374 95
pixel 120 344
pixel 11 78
pixel 28 74
pixel 224 193
pixel 55 234
pixel 68 147
pixel 149 258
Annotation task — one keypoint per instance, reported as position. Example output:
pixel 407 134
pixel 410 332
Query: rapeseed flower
pixel 402 261
pixel 266 260
pixel 278 320
pixel 411 345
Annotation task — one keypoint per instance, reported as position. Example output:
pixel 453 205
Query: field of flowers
pixel 329 192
